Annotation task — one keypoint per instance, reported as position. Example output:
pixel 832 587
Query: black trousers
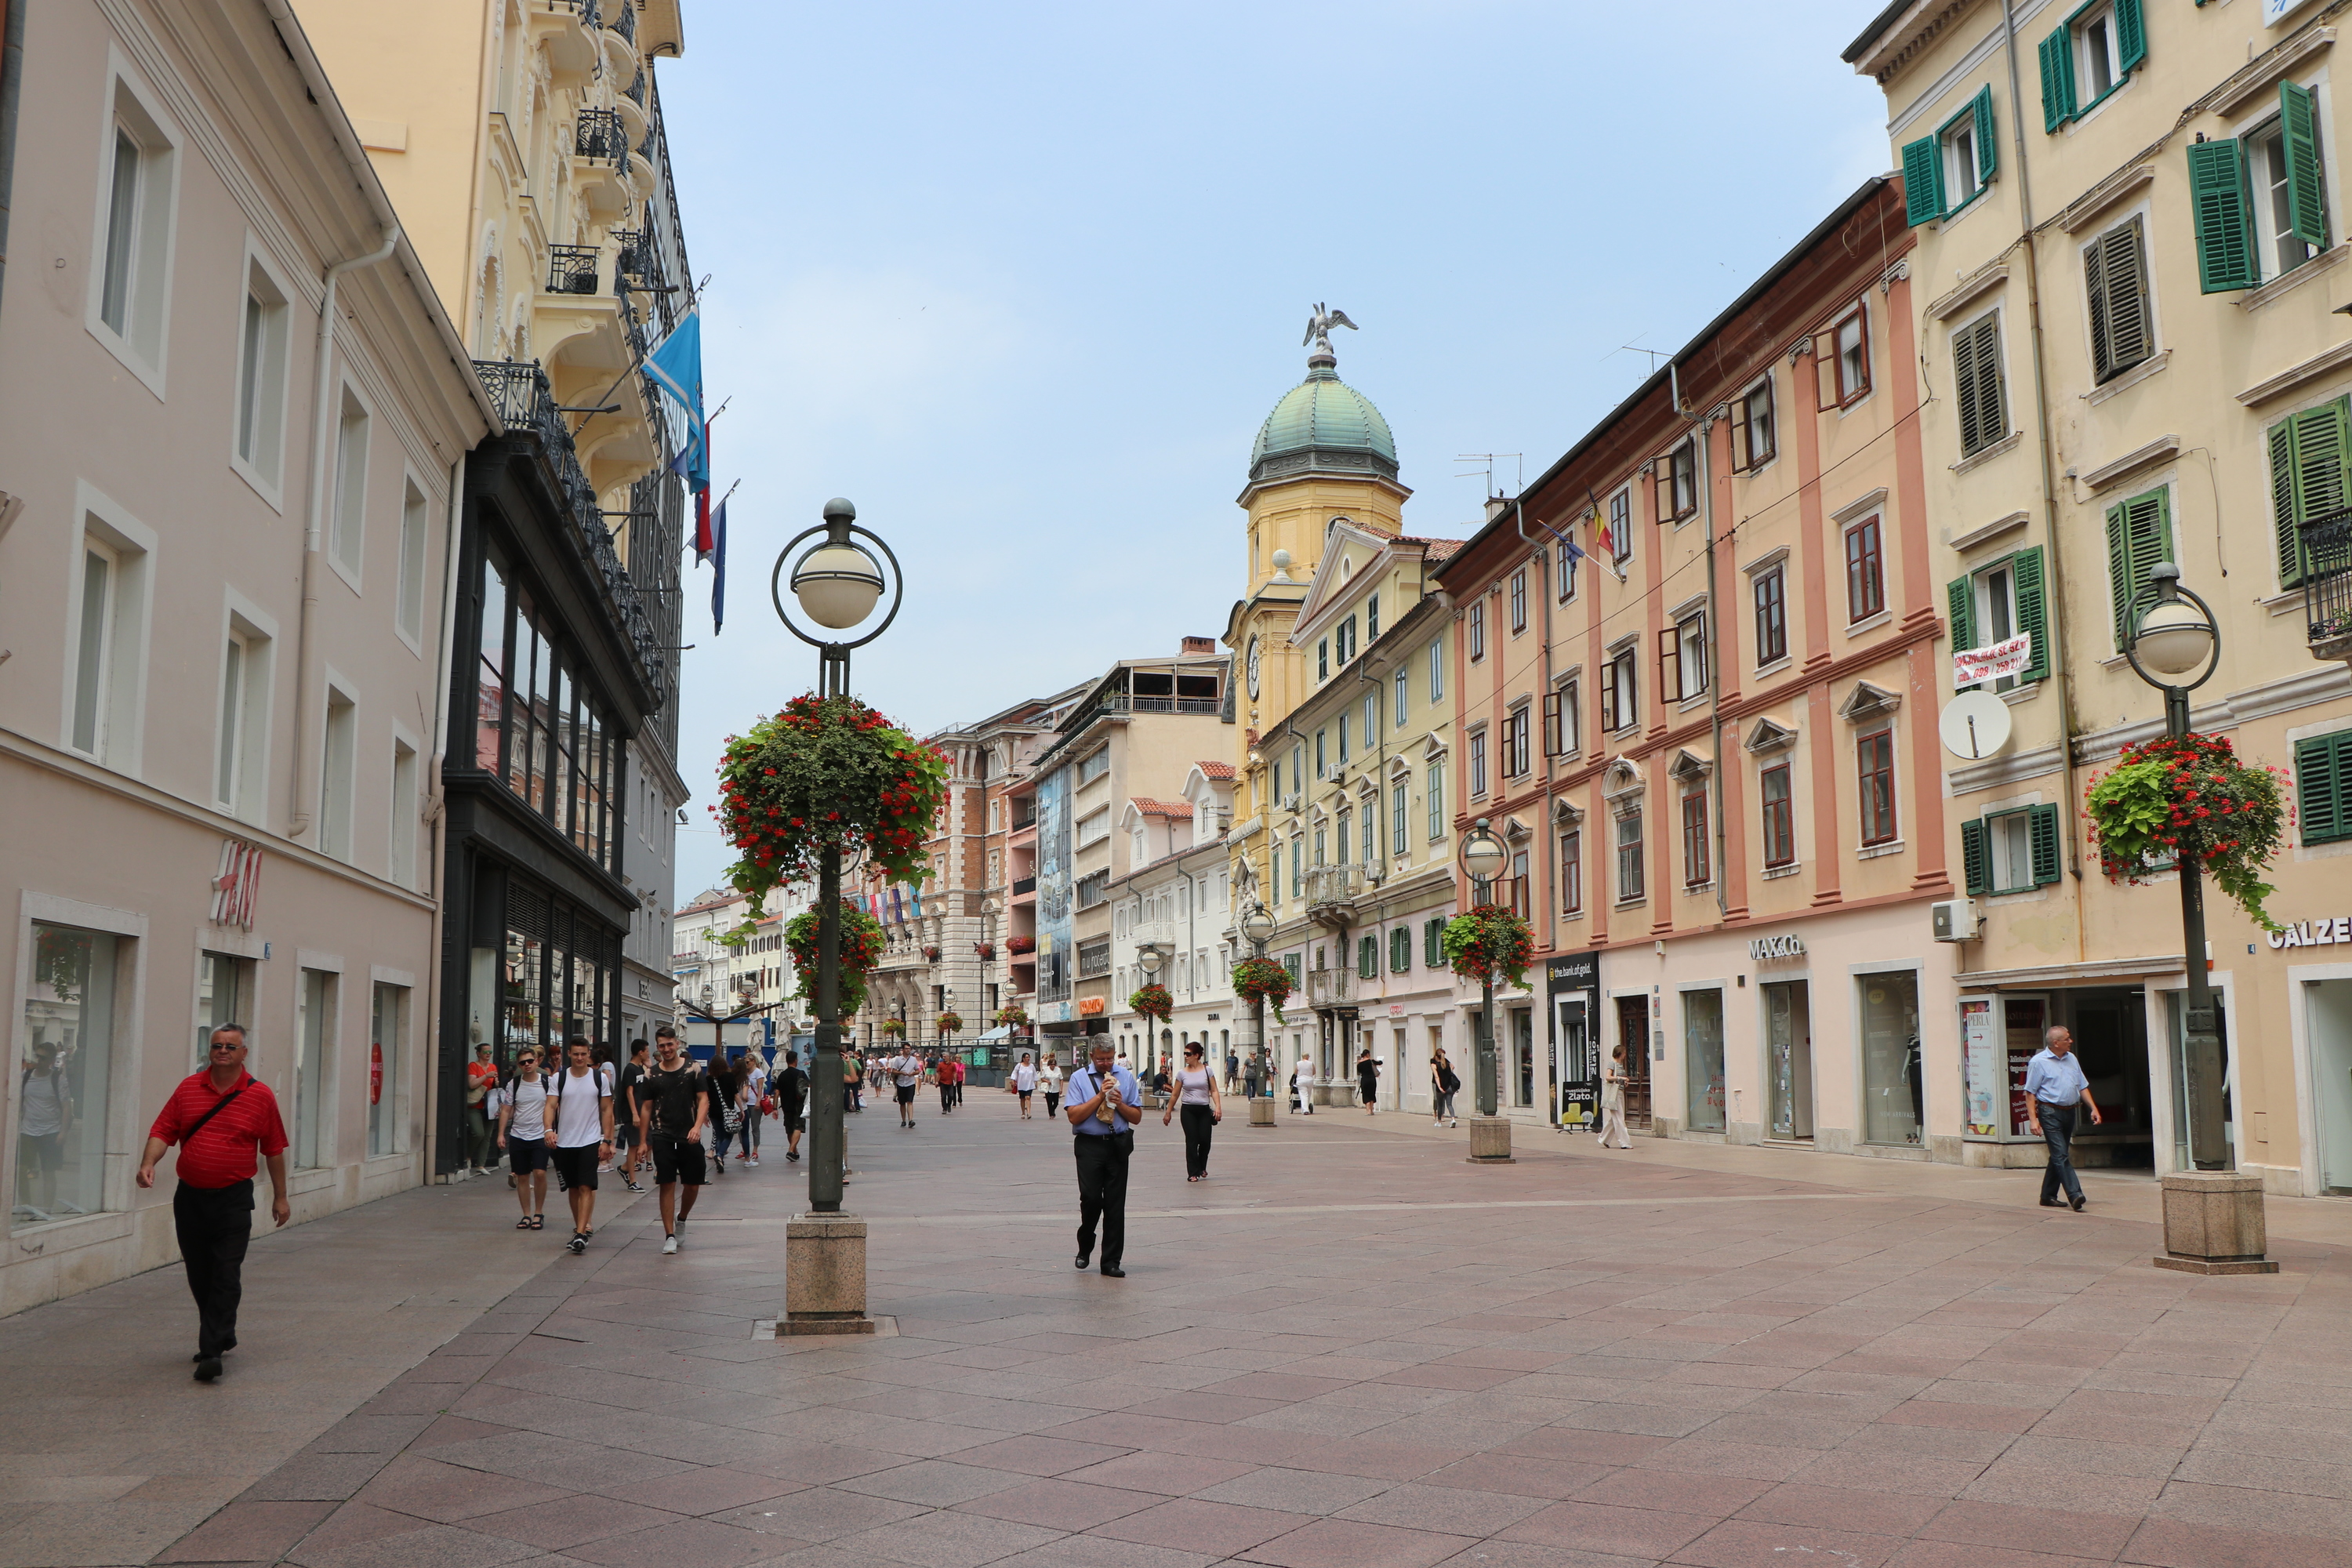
pixel 214 1226
pixel 1102 1192
pixel 1200 1123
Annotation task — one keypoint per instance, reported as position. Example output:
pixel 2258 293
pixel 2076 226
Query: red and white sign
pixel 237 886
pixel 375 1074
pixel 1992 661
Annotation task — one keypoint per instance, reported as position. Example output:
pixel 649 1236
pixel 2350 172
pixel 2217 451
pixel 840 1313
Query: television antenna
pixel 1485 461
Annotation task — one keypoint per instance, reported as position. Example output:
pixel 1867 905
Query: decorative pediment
pixel 1433 748
pixel 1401 769
pixel 1566 813
pixel 1516 831
pixel 1868 702
pixel 1689 767
pixel 1769 736
pixel 1622 777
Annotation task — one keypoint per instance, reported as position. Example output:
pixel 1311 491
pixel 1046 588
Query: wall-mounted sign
pixel 237 886
pixel 1763 947
pixel 2277 10
pixel 1573 985
pixel 1090 1006
pixel 1990 662
pixel 2313 933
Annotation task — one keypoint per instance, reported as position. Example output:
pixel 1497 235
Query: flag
pixel 675 366
pixel 1575 551
pixel 719 561
pixel 706 541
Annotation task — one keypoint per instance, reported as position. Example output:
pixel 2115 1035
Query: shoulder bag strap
pixel 218 1106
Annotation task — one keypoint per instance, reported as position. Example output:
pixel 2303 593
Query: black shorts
pixel 40 1150
pixel 794 1121
pixel 624 1133
pixel 576 1167
pixel 678 1159
pixel 527 1154
pixel 906 1094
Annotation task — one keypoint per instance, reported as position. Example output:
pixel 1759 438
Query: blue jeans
pixel 2058 1131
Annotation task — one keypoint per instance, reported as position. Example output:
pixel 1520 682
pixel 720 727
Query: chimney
pixel 1497 505
pixel 1197 645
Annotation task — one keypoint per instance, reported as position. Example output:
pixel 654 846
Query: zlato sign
pixel 1764 947
pixel 2315 933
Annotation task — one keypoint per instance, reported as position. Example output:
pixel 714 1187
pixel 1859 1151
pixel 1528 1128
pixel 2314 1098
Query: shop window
pixel 224 995
pixel 1893 1081
pixel 66 1077
pixel 1703 1058
pixel 314 1044
pixel 388 1027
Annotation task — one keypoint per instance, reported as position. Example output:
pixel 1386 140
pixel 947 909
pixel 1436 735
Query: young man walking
pixel 627 1152
pixel 672 1105
pixel 905 1070
pixel 581 1137
pixel 521 1102
pixel 221 1117
pixel 791 1089
pixel 1105 1105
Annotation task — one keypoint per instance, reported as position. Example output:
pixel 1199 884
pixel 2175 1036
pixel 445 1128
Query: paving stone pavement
pixel 1349 1347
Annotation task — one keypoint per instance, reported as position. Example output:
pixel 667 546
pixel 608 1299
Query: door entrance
pixel 2328 1024
pixel 1634 1033
pixel 1789 1059
pixel 1523 1057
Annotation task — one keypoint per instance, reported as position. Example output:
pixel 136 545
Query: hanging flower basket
pixel 894 1028
pixel 1259 980
pixel 826 772
pixel 2165 798
pixel 1489 944
pixel 1019 944
pixel 1013 1017
pixel 931 955
pixel 987 950
pixel 1152 1001
pixel 861 949
pixel 949 1023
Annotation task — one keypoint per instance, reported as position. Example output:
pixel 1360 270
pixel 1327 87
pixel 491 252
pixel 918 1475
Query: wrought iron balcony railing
pixel 624 19
pixel 1327 987
pixel 572 270
pixel 636 93
pixel 600 134
pixel 2327 584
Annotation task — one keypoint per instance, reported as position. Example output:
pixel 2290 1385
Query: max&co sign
pixel 1764 947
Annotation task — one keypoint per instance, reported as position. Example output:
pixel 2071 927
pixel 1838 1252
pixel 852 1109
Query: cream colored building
pixel 220 788
pixel 2160 187
pixel 1177 902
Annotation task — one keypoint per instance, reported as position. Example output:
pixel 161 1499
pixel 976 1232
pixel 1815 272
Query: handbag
pixel 767 1105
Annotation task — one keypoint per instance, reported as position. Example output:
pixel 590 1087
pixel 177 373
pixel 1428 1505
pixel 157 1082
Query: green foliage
pixel 861 950
pixel 1152 1001
pixel 2165 798
pixel 1489 944
pixel 1263 980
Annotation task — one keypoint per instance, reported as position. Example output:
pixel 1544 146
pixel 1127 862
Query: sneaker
pixel 678 1231
pixel 669 1244
pixel 793 1154
pixel 577 1245
pixel 634 1188
pixel 754 1160
pixel 720 1163
pixel 208 1368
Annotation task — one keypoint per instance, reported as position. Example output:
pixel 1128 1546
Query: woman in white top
pixel 1612 1101
pixel 1204 1105
pixel 1024 1083
pixel 1302 1079
pixel 1049 1078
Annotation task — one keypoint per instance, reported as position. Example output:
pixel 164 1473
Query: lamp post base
pixel 1261 1111
pixel 2213 1224
pixel 1490 1140
pixel 825 1276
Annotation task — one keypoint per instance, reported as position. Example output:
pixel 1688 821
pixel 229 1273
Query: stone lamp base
pixel 2213 1224
pixel 825 1276
pixel 1261 1111
pixel 1490 1140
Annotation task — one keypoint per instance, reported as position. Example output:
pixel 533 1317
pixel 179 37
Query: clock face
pixel 1253 669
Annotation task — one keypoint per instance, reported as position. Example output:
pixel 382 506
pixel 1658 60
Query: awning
pixel 1002 1033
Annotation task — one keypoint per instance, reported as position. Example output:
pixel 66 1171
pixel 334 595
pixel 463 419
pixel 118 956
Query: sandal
pixel 523 1224
pixel 539 1222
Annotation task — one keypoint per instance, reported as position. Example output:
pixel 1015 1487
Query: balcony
pixel 599 133
pixel 1028 818
pixel 1025 886
pixel 572 270
pixel 1329 987
pixel 1332 894
pixel 2328 585
pixel 624 21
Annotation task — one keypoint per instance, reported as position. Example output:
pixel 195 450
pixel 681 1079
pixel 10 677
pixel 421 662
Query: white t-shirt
pixel 1049 1078
pixel 528 1098
pixel 578 1124
pixel 45 1103
pixel 908 1070
pixel 1025 1078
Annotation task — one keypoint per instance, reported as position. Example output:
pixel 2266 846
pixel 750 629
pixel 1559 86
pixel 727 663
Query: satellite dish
pixel 1974 725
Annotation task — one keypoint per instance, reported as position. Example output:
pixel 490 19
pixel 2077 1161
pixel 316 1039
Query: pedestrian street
pixel 1347 1346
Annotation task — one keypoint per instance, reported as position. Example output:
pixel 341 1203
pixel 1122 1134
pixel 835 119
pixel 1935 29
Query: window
pixel 1621 526
pixel 1751 427
pixel 409 615
pixel 1780 817
pixel 1617 704
pixel 224 995
pixel 2088 55
pixel 1372 618
pixel 1322 756
pixel 2323 787
pixel 1347 821
pixel 348 539
pixel 1396 709
pixel 261 378
pixel 109 639
pixel 405 808
pixel 1398 797
pixel 1629 856
pixel 1399 949
pixel 340 743
pixel 387 1027
pixel 1696 873
pixel 1515 743
pixel 1944 173
pixel 1999 602
pixel 1772 590
pixel 2310 475
pixel 1434 789
pixel 228 775
pixel 315 1037
pixel 2122 326
pixel 1865 571
pixel 1675 479
pixel 1433 943
pixel 1298 768
pixel 1682 658
pixel 1846 378
pixel 65 1078
pixel 1874 768
pixel 131 287
pixel 2290 182
pixel 1343 740
pixel 1519 601
pixel 1319 845
pixel 1519 883
pixel 1561 722
pixel 1367 957
pixel 1323 658
pixel 2139 534
pixel 1371 816
pixel 1571 873
pixel 1346 639
pixel 1977 388
pixel 2011 851
pixel 1297 866
pixel 489 699
pixel 1477 762
pixel 1094 765
pixel 1478 628
pixel 1437 671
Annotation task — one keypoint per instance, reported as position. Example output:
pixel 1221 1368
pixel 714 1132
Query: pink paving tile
pixel 1038 1456
pixel 704 1542
pixel 1839 1508
pixel 2175 1543
pixel 1952 1555
pixel 1448 1374
pixel 1190 1524
pixel 1626 1531
pixel 2023 1529
pixel 1971 1417
pixel 1372 1458
pixel 701 1491
pixel 1585 1446
pixel 449 1493
pixel 1346 1543
pixel 249 1532
pixel 1167 1475
pixel 1276 1386
pixel 1755 1543
pixel 455 1429
pixel 1061 1505
pixel 1636 1487
pixel 1202 1406
pixel 568 1521
pixel 1520 1474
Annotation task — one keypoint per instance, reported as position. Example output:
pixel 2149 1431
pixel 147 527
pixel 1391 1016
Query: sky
pixel 1023 281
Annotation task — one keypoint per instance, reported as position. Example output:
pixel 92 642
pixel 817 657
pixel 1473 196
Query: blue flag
pixel 675 366
pixel 719 560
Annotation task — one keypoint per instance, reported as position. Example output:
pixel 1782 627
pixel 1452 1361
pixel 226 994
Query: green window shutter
pixel 2044 831
pixel 2306 194
pixel 1974 870
pixel 2032 612
pixel 2131 36
pixel 2323 787
pixel 1961 594
pixel 1431 955
pixel 1399 950
pixel 2317 483
pixel 1364 959
pixel 1923 194
pixel 1976 384
pixel 2225 237
pixel 2115 269
pixel 2057 79
pixel 1988 141
pixel 2139 534
pixel 2283 521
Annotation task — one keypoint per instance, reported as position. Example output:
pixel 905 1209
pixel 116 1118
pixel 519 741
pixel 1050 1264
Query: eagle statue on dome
pixel 1319 325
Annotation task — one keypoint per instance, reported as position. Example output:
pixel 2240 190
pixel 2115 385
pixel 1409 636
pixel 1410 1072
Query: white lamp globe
pixel 838 585
pixel 1257 925
pixel 1150 958
pixel 2174 638
pixel 1483 856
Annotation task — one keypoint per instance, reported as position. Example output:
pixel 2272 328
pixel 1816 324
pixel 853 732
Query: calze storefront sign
pixel 2313 933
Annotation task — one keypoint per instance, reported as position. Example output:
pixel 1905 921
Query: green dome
pixel 1323 423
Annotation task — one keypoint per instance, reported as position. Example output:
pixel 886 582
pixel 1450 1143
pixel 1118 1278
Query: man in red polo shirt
pixel 220 1118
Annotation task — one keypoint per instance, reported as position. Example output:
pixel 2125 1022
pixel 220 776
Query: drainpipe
pixel 1703 480
pixel 435 815
pixel 1543 835
pixel 305 774
pixel 12 83
pixel 2056 571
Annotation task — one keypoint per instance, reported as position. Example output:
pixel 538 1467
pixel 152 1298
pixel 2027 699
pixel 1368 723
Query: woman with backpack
pixel 1443 1085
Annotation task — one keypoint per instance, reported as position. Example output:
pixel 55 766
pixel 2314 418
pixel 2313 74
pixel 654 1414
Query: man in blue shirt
pixel 1104 1105
pixel 2054 1084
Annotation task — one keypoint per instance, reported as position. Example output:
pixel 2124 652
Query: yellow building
pixel 2130 227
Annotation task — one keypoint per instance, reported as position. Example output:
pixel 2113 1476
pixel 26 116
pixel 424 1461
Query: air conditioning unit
pixel 1955 920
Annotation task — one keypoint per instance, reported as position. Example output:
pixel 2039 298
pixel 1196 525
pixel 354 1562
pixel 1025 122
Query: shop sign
pixel 1994 660
pixel 237 885
pixel 1763 947
pixel 1090 1006
pixel 1573 983
pixel 2313 933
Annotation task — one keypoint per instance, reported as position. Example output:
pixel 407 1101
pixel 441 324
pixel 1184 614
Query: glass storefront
pixel 387 1023
pixel 1523 1058
pixel 1893 1084
pixel 224 995
pixel 1703 1057
pixel 316 1036
pixel 1789 1058
pixel 62 1081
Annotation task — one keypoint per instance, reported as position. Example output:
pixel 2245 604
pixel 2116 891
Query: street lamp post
pixel 2213 1220
pixel 1257 930
pixel 837 585
pixel 1147 958
pixel 1483 856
